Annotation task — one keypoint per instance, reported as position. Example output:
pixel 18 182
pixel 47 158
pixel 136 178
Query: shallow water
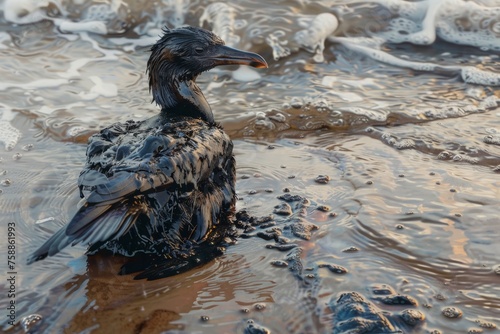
pixel 413 159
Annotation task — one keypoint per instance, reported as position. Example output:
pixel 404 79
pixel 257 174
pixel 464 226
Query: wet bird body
pixel 162 188
pixel 182 172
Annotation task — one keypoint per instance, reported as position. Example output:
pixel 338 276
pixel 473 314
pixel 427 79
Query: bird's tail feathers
pixel 109 223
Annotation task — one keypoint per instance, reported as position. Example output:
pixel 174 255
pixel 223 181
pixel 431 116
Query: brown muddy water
pixel 412 155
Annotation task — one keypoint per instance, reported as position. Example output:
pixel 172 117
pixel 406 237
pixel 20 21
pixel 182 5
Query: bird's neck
pixel 182 98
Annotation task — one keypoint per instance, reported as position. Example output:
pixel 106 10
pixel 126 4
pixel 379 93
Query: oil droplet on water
pixel 279 263
pixel 322 179
pixel 452 312
pixel 412 317
pixel 260 306
pixel 31 322
pixel 324 208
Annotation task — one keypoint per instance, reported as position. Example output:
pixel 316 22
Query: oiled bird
pixel 161 189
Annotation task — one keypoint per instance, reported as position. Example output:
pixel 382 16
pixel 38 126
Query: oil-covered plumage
pixel 161 189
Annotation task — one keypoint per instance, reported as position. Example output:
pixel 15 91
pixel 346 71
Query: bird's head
pixel 180 55
pixel 184 53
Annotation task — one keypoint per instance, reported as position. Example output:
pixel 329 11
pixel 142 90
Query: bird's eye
pixel 198 50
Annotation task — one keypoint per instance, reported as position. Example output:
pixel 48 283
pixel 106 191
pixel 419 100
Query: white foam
pixel 278 45
pixel 399 28
pixel 179 8
pixel 245 74
pixel 375 115
pixel 96 27
pixel 476 76
pixel 329 81
pixel 488 103
pixel 100 88
pixel 102 12
pixel 221 17
pixel 352 43
pixel 313 38
pixel 469 23
pixel 428 33
pixel 94 19
pixel 24 11
pixel 468 73
pixel 456 21
pixel 9 135
pixel 6 113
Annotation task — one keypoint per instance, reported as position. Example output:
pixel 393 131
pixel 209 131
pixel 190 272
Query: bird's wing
pixel 112 223
pixel 154 162
pixel 126 183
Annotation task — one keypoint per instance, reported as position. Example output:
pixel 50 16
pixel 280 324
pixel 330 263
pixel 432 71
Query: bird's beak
pixel 226 55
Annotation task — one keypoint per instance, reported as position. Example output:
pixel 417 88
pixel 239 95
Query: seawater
pixel 396 101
